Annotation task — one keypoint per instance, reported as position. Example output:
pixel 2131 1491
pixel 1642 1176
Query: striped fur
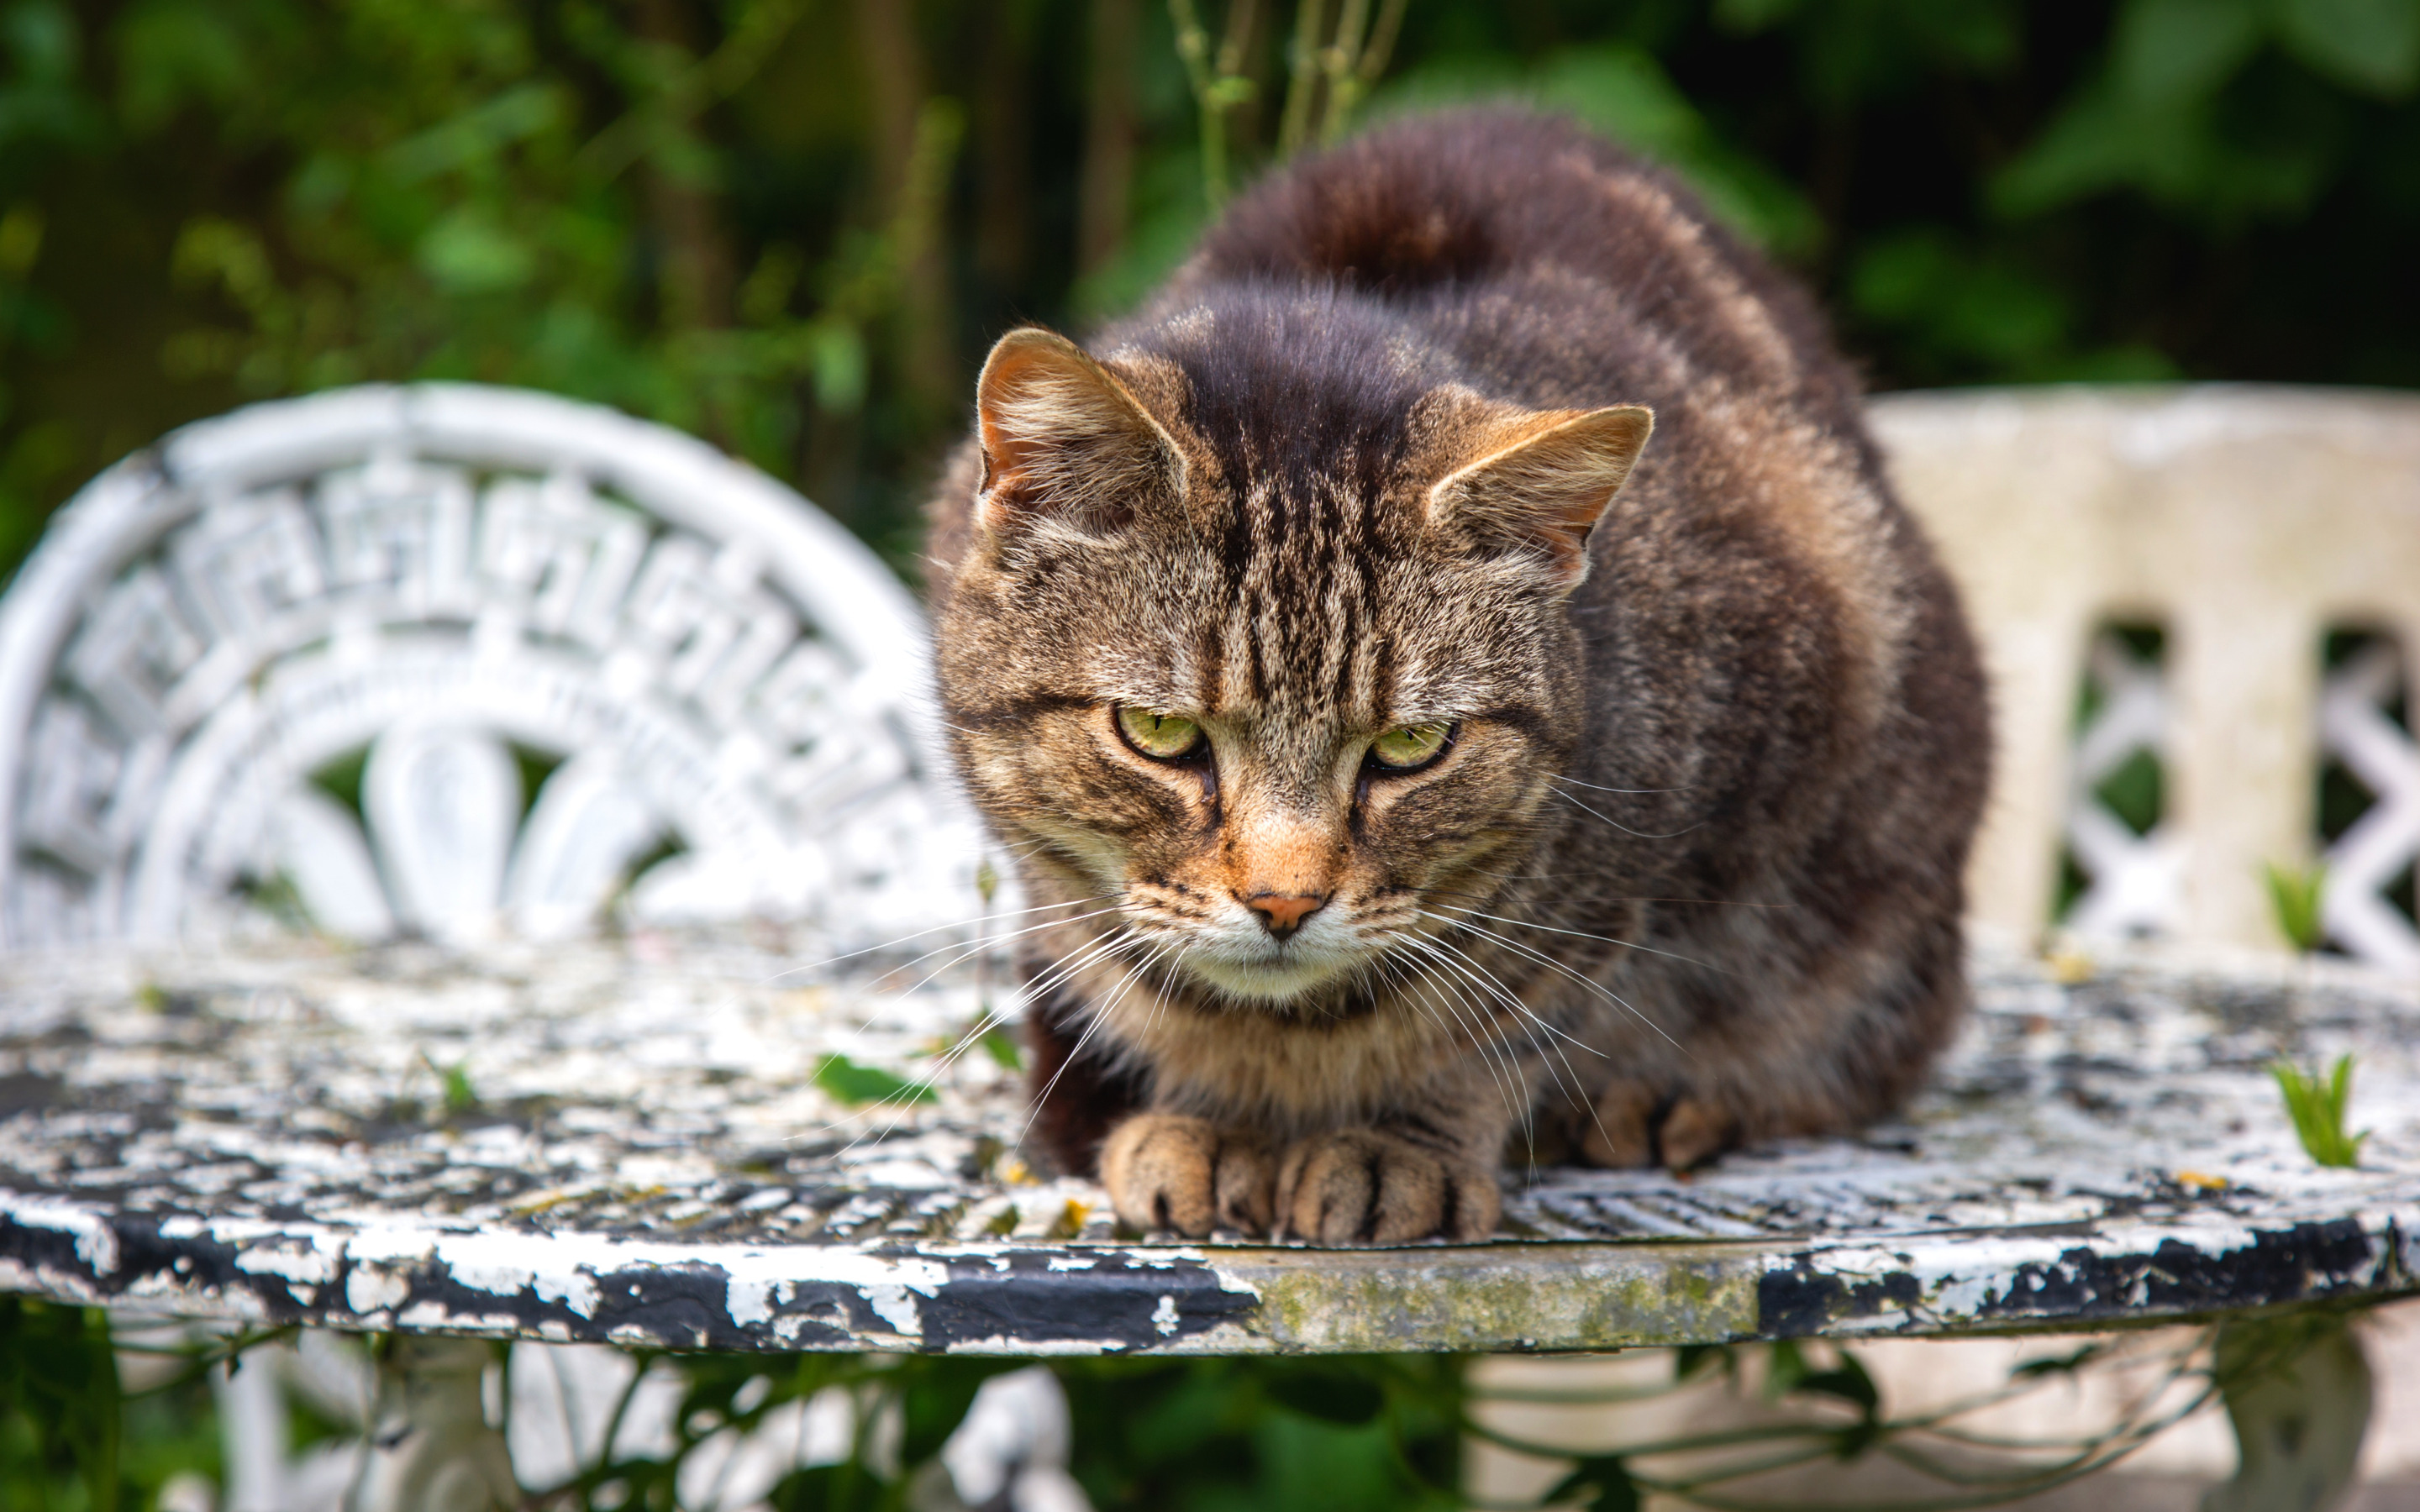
pixel 1688 874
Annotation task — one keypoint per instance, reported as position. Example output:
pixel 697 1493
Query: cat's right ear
pixel 1546 480
pixel 1064 441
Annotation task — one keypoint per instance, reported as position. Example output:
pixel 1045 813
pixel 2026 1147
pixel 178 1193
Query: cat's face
pixel 1278 726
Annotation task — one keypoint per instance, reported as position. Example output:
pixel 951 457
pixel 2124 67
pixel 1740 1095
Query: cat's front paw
pixel 1165 1171
pixel 1363 1186
pixel 1632 1125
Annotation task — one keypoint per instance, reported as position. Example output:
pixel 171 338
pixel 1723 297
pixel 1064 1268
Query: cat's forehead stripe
pixel 1302 635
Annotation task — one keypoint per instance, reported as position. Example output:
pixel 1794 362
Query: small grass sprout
pixel 2294 896
pixel 2318 1111
pixel 460 1096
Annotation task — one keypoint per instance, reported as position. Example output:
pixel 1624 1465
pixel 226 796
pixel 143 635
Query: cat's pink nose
pixel 1282 913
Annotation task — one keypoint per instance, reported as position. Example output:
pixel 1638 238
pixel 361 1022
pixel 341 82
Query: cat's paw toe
pixel 1694 1131
pixel 1363 1187
pixel 1166 1172
pixel 1632 1126
pixel 1619 1134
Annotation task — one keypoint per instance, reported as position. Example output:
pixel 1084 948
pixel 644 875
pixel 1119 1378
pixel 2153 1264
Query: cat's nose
pixel 1283 913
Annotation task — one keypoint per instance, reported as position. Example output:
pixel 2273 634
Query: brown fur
pixel 1687 873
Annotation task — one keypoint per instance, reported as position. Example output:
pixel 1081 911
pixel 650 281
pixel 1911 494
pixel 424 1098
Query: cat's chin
pixel 1276 980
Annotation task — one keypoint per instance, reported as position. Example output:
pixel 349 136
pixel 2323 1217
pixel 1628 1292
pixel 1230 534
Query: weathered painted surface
pixel 643 1156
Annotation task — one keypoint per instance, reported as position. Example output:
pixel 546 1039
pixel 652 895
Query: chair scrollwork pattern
pixel 452 660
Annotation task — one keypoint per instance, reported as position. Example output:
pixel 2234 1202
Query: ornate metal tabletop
pixel 666 1140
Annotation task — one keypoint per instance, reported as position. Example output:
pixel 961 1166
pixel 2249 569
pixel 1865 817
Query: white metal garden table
pixel 331 731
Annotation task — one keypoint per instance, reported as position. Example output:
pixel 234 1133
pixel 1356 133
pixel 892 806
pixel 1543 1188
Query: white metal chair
pixel 2247 522
pixel 415 595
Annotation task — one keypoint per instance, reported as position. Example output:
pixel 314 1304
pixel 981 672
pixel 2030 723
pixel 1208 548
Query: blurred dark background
pixel 794 227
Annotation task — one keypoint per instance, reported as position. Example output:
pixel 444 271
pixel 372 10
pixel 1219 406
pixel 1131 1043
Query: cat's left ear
pixel 1065 441
pixel 1546 487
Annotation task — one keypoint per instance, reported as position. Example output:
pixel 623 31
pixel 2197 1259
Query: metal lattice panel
pixel 2382 844
pixel 435 587
pixel 2132 876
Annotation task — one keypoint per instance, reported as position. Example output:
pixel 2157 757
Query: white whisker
pixel 1619 824
pixel 1583 935
pixel 1491 1054
pixel 1602 787
pixel 1488 982
pixel 1591 983
pixel 1100 1017
pixel 981 919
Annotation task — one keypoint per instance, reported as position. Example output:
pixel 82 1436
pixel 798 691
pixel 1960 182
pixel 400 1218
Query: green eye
pixel 1164 736
pixel 1412 745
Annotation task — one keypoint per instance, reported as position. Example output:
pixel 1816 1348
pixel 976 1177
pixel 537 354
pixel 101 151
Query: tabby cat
pixel 1410 758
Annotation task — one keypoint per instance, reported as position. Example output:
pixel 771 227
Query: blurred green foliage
pixel 1342 1434
pixel 60 1407
pixel 73 1437
pixel 794 227
pixel 1337 1433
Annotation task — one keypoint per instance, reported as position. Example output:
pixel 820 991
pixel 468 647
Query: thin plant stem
pixel 1294 130
pixel 1338 64
pixel 1381 46
pixel 1218 83
pixel 1193 46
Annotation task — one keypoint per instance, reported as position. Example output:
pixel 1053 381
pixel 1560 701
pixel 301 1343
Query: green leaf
pixel 1967 306
pixel 2319 1111
pixel 838 362
pixel 1785 1367
pixel 1328 1393
pixel 847 1081
pixel 1607 1477
pixel 1847 1381
pixel 2295 895
pixel 1001 1046
pixel 2369 45
pixel 468 252
pixel 476 135
pixel 1689 1360
pixel 2173 51
pixel 848 1486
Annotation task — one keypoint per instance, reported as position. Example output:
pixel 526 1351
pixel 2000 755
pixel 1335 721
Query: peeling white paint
pixel 893 1305
pixel 95 1246
pixel 309 1263
pixel 648 1207
pixel 1003 1344
pixel 369 1290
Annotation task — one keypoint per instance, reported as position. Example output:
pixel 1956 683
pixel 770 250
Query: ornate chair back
pixel 2245 526
pixel 456 660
